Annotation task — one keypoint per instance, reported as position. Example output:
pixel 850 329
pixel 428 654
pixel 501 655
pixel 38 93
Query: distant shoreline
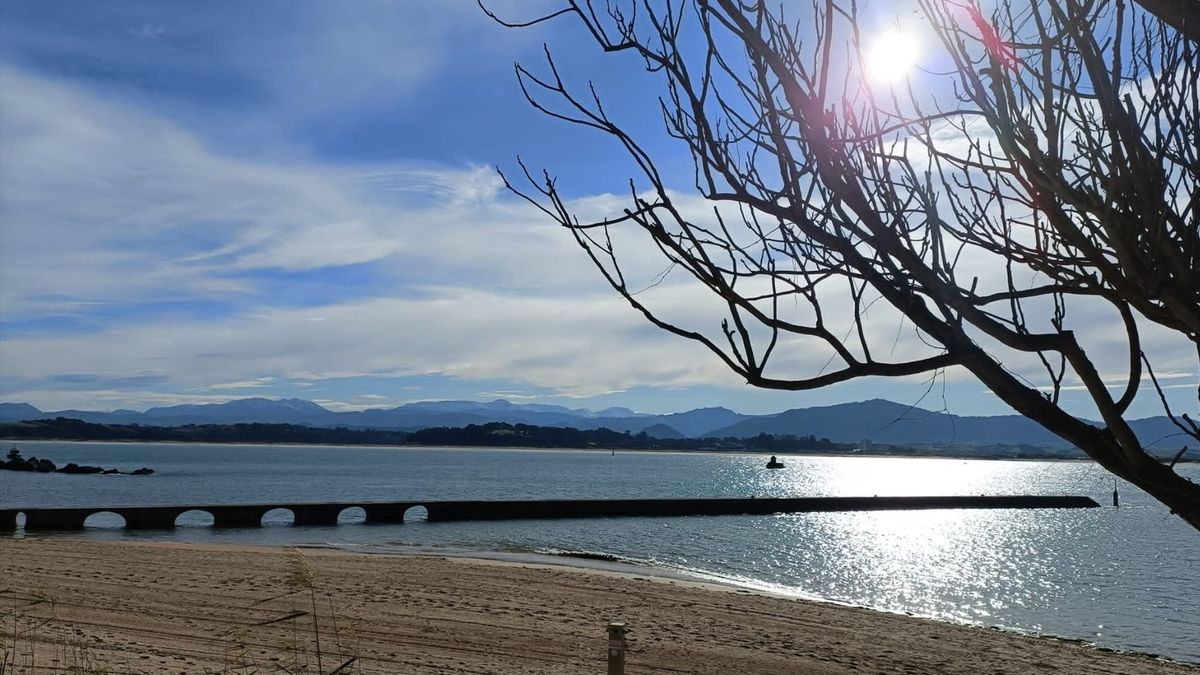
pixel 495 435
pixel 756 453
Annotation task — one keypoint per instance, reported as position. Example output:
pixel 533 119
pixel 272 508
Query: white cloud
pixel 102 201
pixel 106 207
pixel 105 203
pixel 581 346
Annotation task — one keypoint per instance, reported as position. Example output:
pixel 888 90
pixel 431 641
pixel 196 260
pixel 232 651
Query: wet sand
pixel 122 607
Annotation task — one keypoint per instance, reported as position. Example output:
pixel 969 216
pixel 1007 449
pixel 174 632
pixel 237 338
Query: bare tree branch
pixel 1055 170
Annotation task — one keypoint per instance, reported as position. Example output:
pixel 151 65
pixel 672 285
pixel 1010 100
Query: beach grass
pixel 36 638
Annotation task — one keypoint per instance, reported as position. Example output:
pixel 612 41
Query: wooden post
pixel 616 648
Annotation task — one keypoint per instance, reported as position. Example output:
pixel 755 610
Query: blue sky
pixel 206 201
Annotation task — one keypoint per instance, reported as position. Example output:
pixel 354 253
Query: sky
pixel 208 201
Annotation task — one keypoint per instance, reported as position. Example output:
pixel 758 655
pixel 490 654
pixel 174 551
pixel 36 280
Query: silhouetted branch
pixel 1054 169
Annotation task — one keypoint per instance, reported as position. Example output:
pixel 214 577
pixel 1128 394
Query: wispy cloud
pixel 146 212
pixel 154 216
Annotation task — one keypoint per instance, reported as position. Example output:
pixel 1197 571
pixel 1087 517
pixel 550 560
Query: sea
pixel 1124 578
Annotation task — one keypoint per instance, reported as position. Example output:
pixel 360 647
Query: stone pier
pixel 250 515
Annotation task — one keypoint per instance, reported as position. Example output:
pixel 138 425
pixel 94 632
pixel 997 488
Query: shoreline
pixel 615 565
pixel 167 606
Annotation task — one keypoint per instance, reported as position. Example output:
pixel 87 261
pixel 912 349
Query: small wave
pixel 590 555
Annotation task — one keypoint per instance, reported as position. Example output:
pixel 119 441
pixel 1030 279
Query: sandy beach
pixel 87 606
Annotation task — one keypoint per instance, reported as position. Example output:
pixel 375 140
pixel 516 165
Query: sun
pixel 891 56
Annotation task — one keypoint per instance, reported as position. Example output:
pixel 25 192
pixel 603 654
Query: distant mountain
pixel 426 414
pixel 618 412
pixel 409 417
pixel 16 412
pixel 878 420
pixel 283 411
pixel 662 431
pixel 502 406
pixel 1160 433
pixel 703 421
pixel 882 421
pixel 271 411
pixel 115 417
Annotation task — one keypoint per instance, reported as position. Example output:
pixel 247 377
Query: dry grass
pixel 34 639
pixel 311 639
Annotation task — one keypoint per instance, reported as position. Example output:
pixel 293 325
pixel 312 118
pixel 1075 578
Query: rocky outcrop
pixel 75 468
pixel 15 462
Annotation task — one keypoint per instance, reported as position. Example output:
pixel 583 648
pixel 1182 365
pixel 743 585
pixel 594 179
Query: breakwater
pixel 327 513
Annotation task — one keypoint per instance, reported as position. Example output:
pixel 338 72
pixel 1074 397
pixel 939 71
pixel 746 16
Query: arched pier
pixel 326 513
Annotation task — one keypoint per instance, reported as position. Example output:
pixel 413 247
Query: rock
pixel 20 464
pixel 75 468
pixel 15 462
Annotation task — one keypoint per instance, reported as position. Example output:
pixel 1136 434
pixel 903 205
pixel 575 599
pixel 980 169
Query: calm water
pixel 1127 578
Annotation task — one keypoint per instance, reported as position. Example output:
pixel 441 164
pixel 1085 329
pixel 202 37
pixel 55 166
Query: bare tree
pixel 1053 166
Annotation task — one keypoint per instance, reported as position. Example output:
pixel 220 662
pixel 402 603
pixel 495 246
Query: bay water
pixel 1125 578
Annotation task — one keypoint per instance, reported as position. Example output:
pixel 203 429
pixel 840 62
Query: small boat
pixel 774 463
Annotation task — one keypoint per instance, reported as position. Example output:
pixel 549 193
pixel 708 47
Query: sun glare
pixel 891 56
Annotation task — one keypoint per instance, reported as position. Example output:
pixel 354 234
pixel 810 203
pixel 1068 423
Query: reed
pixel 311 639
pixel 33 639
pixel 300 647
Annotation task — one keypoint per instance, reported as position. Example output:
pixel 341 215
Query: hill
pixel 882 421
pixel 879 421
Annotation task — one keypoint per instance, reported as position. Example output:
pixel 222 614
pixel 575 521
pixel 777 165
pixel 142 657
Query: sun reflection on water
pixel 954 565
pixel 891 476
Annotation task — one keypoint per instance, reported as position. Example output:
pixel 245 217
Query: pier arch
pixel 278 516
pixel 104 520
pixel 416 514
pixel 195 518
pixel 352 515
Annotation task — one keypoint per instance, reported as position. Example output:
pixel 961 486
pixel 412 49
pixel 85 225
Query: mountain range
pixel 877 420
